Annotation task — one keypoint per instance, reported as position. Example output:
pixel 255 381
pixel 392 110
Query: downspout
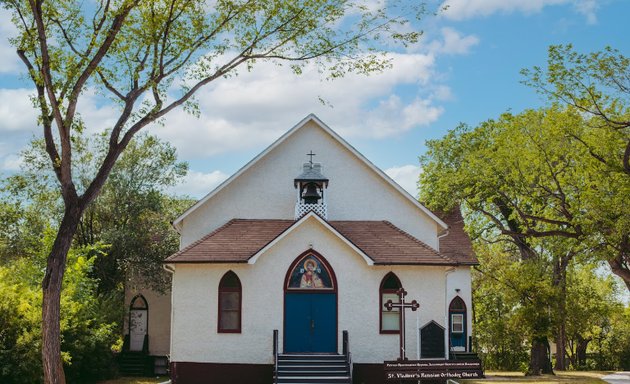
pixel 447 272
pixel 170 269
pixel 441 235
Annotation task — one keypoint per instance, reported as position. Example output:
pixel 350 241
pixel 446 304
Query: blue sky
pixel 466 69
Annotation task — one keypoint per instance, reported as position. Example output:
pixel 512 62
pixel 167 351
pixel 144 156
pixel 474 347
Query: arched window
pixel 230 293
pixel 139 302
pixel 390 320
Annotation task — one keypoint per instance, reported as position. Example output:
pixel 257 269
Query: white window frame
pixel 459 321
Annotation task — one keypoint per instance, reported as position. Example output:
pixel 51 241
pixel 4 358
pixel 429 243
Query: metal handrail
pixel 347 353
pixel 275 356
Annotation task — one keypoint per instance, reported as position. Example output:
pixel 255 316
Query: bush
pixel 89 324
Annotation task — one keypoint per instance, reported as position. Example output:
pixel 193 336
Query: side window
pixel 390 320
pixel 230 293
pixel 457 323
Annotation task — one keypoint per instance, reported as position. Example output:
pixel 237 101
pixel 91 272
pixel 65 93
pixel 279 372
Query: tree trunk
pixel 560 282
pixel 582 345
pixel 561 359
pixel 539 361
pixel 51 287
pixel 620 264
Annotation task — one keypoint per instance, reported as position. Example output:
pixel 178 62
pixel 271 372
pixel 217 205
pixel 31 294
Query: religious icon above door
pixel 310 273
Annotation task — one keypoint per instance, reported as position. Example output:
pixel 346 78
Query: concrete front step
pixel 313 369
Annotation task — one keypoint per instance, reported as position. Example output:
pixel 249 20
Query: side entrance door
pixel 138 323
pixel 137 329
pixel 310 322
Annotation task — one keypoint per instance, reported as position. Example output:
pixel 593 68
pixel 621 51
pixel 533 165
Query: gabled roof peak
pixel 177 223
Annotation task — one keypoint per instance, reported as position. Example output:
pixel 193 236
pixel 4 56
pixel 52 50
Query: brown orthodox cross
pixel 401 305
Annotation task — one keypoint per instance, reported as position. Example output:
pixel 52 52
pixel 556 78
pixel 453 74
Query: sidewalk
pixel 618 378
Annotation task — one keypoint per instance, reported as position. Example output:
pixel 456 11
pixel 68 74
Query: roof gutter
pixel 442 234
pixel 168 268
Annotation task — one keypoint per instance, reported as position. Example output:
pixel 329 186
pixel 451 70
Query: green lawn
pixel 137 380
pixel 491 377
pixel 560 377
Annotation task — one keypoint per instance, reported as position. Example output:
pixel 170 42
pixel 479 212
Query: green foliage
pixel 131 215
pixel 527 177
pixel 514 301
pixel 89 327
pixel 498 334
pixel 530 186
pixel 592 305
pixel 612 346
pixel 597 86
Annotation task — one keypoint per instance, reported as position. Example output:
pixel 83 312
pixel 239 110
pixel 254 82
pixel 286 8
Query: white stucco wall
pixel 195 294
pixel 266 191
pixel 159 319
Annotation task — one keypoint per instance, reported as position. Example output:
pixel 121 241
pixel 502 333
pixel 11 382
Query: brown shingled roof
pixel 240 239
pixel 235 242
pixel 456 244
pixel 385 243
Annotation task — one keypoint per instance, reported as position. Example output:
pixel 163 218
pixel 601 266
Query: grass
pixel 592 377
pixel 581 377
pixel 137 380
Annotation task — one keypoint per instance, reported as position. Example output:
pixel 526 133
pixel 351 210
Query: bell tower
pixel 311 186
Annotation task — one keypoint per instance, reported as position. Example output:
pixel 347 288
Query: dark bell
pixel 311 196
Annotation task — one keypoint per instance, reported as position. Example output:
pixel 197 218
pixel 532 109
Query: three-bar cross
pixel 401 305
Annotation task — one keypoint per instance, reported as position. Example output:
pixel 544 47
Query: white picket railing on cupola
pixel 302 209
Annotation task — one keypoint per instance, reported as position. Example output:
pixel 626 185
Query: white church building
pixel 285 268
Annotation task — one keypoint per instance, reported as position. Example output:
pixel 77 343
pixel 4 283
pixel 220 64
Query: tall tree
pixel 138 52
pixel 596 85
pixel 528 182
pixel 131 215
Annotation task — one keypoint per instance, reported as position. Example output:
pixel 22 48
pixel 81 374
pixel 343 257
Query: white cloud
pixel 12 163
pixel 406 176
pixel 453 43
pixel 198 184
pixel 97 115
pixel 254 108
pixel 10 63
pixel 258 106
pixel 18 114
pixel 443 93
pixel 588 8
pixel 467 9
pixel 16 111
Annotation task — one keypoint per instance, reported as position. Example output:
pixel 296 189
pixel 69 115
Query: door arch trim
pixel 301 258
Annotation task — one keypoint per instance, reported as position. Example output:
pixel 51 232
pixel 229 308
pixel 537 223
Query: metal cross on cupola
pixel 401 305
pixel 311 154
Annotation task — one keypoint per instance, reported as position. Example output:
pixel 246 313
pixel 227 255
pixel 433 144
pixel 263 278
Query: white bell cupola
pixel 311 190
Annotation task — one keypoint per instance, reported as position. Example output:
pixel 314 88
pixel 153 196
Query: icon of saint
pixel 310 278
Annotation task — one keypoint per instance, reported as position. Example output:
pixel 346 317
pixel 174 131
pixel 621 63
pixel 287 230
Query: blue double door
pixel 310 322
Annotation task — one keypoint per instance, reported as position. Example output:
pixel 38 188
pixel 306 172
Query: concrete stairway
pixel 313 369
